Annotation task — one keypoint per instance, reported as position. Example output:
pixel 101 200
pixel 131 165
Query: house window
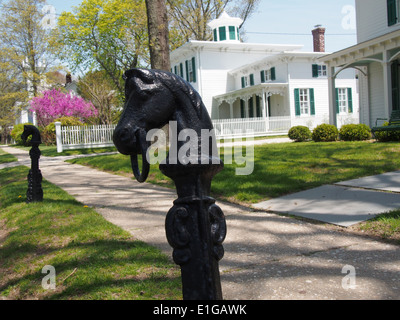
pixel 248 81
pixel 344 100
pixel 392 12
pixel 319 70
pixel 304 102
pixel 232 33
pixel 268 75
pixel 222 33
pixel 191 70
pixel 245 82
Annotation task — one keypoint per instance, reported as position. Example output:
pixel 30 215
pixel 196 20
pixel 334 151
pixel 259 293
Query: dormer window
pixel 268 75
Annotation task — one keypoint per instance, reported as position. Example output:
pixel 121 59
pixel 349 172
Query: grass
pixel 51 151
pixel 385 226
pixel 280 169
pixel 93 258
pixel 6 157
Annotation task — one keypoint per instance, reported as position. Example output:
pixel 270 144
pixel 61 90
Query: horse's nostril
pixel 125 135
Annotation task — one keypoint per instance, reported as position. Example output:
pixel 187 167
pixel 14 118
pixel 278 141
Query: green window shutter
pixel 337 101
pixel 350 99
pixel 242 111
pixel 232 33
pixel 243 83
pixel 252 79
pixel 315 71
pixel 194 69
pixel 297 101
pixel 312 102
pixel 215 35
pixel 181 70
pixel 222 33
pixel 251 109
pixel 176 69
pixel 258 107
pixel 262 73
pixel 395 85
pixel 187 70
pixel 391 12
pixel 273 74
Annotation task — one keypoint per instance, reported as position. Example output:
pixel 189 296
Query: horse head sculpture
pixel 30 130
pixel 195 226
pixel 153 99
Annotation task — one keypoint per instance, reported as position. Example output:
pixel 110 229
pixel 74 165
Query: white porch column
pixel 231 108
pixel 246 107
pixel 387 84
pixel 264 106
pixel 332 96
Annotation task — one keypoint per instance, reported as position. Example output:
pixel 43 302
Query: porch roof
pixel 246 93
pixel 366 52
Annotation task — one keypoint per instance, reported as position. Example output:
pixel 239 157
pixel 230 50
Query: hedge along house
pixel 265 87
pixel 376 58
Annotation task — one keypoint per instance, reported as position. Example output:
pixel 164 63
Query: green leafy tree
pixel 109 35
pixel 27 41
pixel 96 87
pixel 12 94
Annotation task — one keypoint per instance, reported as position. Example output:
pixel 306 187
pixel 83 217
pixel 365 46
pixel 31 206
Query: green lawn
pixel 6 157
pixel 93 258
pixel 281 169
pixel 51 151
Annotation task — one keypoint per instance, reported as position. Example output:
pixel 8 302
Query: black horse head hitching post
pixel 195 226
pixel 35 191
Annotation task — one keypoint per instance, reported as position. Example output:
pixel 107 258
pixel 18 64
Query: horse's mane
pixel 173 82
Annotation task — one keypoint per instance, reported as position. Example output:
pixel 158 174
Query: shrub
pixel 384 136
pixel 300 133
pixel 325 133
pixel 49 132
pixel 355 132
pixel 17 132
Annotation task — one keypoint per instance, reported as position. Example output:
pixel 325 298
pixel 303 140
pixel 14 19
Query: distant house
pixel 268 82
pixel 376 57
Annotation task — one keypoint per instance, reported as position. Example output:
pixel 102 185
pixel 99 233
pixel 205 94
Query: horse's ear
pixel 145 75
pixel 130 76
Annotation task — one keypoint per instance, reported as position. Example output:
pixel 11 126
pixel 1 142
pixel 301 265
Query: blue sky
pixel 293 20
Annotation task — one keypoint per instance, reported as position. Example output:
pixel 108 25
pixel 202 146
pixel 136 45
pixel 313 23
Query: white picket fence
pixel 82 137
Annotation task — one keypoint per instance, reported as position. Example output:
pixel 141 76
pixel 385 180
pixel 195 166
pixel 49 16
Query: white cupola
pixel 226 28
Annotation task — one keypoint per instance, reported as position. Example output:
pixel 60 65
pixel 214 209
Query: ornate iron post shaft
pixel 196 228
pixel 35 191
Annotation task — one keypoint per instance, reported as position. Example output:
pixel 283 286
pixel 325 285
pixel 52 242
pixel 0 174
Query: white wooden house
pixel 278 86
pixel 376 57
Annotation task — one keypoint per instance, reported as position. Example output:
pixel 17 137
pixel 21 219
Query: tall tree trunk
pixel 158 34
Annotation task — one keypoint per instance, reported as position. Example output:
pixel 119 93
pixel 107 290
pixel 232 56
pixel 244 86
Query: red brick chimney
pixel 68 78
pixel 319 38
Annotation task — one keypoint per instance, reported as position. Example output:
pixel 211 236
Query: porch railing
pixel 251 127
pixel 80 137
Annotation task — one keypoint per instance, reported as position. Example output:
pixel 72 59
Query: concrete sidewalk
pixel 267 256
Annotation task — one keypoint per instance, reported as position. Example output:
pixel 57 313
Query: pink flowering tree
pixel 53 104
